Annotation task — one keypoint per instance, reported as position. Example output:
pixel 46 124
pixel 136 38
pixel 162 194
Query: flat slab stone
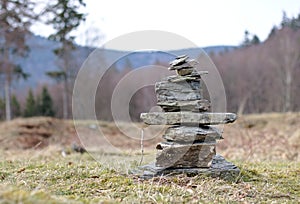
pixel 179 60
pixel 176 118
pixel 194 106
pixel 194 76
pixel 187 134
pixel 220 168
pixel 183 86
pixel 185 71
pixel 169 95
pixel 185 155
pixel 178 91
pixel 182 63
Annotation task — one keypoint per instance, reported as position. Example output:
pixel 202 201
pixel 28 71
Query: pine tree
pixel 246 41
pixel 255 40
pixel 65 17
pixel 15 107
pixel 285 20
pixel 30 106
pixel 273 31
pixel 16 16
pixel 45 103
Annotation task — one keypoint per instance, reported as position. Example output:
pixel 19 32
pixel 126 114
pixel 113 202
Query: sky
pixel 204 22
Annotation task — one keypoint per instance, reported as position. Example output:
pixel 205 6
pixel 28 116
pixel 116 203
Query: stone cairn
pixel 190 141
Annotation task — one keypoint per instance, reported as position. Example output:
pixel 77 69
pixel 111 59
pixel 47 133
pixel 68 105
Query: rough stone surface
pixel 194 106
pixel 194 76
pixel 186 134
pixel 169 95
pixel 169 90
pixel 176 118
pixel 182 63
pixel 183 72
pixel 179 61
pixel 219 168
pixel 183 86
pixel 185 155
pixel 190 145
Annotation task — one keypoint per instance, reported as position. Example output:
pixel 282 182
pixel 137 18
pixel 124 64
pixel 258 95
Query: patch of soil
pixel 252 137
pixel 37 132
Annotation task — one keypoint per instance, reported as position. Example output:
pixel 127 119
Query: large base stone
pixel 219 168
pixel 171 154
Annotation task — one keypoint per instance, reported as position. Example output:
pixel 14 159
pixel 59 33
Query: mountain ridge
pixel 41 58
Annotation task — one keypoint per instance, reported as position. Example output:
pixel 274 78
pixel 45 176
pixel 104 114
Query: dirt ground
pixel 262 137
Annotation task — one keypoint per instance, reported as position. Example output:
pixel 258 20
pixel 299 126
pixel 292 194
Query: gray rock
pixel 194 76
pixel 220 168
pixel 176 118
pixel 186 134
pixel 180 56
pixel 182 86
pixel 194 106
pixel 185 155
pixel 164 95
pixel 179 61
pixel 183 72
pixel 184 65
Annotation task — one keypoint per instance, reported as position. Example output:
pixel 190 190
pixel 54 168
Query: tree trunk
pixel 65 99
pixel 242 105
pixel 7 98
pixel 287 101
pixel 7 71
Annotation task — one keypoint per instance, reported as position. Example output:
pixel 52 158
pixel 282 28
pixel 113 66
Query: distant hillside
pixel 41 58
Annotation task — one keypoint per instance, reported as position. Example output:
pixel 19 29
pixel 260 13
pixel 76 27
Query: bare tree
pixel 284 50
pixel 64 17
pixel 15 20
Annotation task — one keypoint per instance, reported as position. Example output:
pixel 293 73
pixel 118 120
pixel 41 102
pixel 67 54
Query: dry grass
pixel 48 177
pixel 265 147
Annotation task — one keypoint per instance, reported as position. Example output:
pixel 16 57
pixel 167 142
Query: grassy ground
pixel 264 147
pixel 50 178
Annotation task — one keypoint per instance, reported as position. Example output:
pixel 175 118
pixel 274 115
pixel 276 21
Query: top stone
pixel 180 56
pixel 183 66
pixel 179 60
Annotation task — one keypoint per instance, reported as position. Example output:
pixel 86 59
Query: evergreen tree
pixel 246 41
pixel 45 103
pixel 30 106
pixel 16 16
pixel 273 31
pixel 15 107
pixel 65 17
pixel 285 20
pixel 255 40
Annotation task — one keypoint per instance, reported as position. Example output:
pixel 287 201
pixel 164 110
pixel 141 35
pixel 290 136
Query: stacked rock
pixel 190 141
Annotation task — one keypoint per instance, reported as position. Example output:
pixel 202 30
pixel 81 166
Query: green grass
pixel 51 178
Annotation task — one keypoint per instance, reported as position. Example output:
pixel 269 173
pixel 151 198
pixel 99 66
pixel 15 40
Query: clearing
pixel 34 170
